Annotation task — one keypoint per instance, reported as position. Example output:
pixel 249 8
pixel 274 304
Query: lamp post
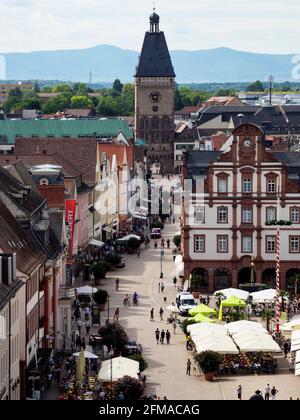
pixel 252 264
pixel 108 309
pixel 162 253
pixel 92 283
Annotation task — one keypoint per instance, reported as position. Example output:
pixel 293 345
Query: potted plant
pixel 99 270
pixel 100 297
pixel 133 245
pixel 209 362
pixel 113 259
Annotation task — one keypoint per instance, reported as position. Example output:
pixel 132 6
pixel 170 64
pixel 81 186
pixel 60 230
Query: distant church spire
pixel 154 21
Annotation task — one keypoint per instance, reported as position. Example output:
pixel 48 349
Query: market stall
pixel 232 302
pixel 263 296
pixel 203 310
pixel 117 368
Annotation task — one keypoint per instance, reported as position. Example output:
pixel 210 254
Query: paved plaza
pixel 166 373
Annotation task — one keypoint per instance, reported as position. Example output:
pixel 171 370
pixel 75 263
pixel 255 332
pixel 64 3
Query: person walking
pixel 174 326
pixel 168 336
pixel 274 392
pixel 168 243
pixel 117 314
pixel 239 392
pixel 188 367
pixel 79 325
pixel 78 342
pixel 82 344
pixel 155 244
pixel 161 314
pixel 162 287
pixel 139 252
pixel 285 349
pixel 267 392
pixel 175 281
pixel 152 315
pixel 159 285
pixel 157 335
pixel 162 336
pixel 88 327
pixel 117 284
pixel 162 243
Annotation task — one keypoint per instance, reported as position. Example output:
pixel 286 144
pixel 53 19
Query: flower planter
pixel 209 376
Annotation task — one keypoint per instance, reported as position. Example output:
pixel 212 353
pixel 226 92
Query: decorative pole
pixel 278 265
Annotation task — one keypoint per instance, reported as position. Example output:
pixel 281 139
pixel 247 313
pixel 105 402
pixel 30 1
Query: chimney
pixel 8 269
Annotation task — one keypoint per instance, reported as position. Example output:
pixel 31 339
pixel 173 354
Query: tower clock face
pixel 155 97
pixel 247 143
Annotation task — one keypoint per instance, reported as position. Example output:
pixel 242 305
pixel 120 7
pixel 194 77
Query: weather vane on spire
pixel 154 6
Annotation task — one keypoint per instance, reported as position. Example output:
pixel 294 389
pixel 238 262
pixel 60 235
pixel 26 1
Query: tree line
pixel 109 102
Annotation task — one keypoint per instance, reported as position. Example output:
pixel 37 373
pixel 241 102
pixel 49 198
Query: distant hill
pixel 108 63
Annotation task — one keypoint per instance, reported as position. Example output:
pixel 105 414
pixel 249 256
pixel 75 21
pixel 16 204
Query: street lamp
pixel 92 282
pixel 252 264
pixel 162 253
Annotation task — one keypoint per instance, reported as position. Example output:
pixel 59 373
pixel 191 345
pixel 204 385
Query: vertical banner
pixel 70 226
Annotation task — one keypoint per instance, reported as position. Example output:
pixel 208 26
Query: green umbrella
pixel 202 309
pixel 202 318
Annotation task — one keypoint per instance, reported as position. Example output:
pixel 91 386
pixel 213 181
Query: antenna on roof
pixel 91 77
pixel 271 85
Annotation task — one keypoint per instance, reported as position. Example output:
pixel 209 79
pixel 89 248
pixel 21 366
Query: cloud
pixel 28 25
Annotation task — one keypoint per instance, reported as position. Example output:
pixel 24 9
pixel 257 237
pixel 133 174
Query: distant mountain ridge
pixel 107 63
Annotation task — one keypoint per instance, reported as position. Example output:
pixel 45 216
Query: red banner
pixel 70 225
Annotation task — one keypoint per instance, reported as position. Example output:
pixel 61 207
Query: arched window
pixel 155 123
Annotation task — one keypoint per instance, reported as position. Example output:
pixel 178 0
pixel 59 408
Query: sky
pixel 266 26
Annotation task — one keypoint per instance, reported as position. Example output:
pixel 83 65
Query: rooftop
pixel 58 128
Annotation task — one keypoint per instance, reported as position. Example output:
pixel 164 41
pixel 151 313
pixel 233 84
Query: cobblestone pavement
pixel 166 375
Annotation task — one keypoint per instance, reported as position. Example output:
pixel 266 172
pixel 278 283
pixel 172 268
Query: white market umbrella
pixel 87 355
pixel 180 270
pixel 98 244
pixel 121 366
pixel 86 290
pixel 243 325
pixel 126 238
pixel 178 260
pixel 241 294
pixel 264 295
pixel 290 326
pixel 298 357
pixel 205 326
pixel 223 345
pixel 173 309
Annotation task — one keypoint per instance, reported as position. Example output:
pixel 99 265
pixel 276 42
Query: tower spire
pixel 154 21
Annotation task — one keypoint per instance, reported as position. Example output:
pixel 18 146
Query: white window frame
pixel 246 240
pixel 247 182
pixel 199 243
pixel 247 212
pixel 270 240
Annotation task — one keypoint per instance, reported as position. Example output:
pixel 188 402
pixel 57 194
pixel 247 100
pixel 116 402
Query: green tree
pixel 118 86
pixel 108 106
pixel 37 87
pixel 256 87
pixel 59 103
pixel 80 102
pixel 14 100
pixel 81 89
pixel 62 88
pixel 32 101
pixel 114 336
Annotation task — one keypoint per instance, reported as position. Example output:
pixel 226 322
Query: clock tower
pixel 154 97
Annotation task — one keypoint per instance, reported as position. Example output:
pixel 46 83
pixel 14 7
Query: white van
pixel 185 301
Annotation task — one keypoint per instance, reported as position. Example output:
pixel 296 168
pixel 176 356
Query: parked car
pixel 132 347
pixel 121 264
pixel 156 233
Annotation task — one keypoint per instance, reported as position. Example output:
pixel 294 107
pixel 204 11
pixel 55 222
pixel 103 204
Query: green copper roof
pixel 10 129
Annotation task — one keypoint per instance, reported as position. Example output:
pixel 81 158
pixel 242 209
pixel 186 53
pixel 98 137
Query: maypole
pixel 278 264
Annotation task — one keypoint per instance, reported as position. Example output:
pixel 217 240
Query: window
pixel 271 214
pixel 247 244
pixel 199 243
pixel 222 215
pixel 199 214
pixel 222 243
pixel 247 215
pixel 247 185
pixel 271 186
pixel 294 217
pixel 294 244
pixel 222 185
pixel 270 244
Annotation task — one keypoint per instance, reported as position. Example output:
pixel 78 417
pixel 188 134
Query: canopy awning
pixel 202 318
pixel 202 309
pixel 264 295
pixel 96 243
pixel 233 301
pixel 117 368
pixel 87 355
pixel 241 294
pixel 237 326
pixel 86 290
